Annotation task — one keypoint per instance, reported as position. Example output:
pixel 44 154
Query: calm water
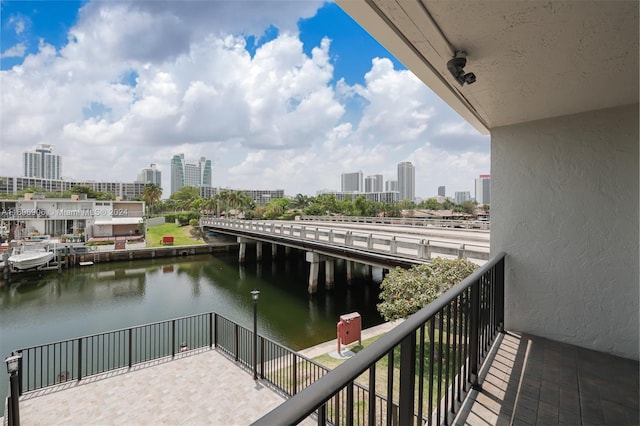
pixel 45 307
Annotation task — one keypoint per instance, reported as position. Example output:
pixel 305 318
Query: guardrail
pixel 51 364
pixel 404 221
pixel 418 249
pixel 422 368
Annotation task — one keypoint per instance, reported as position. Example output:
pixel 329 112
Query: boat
pixel 27 256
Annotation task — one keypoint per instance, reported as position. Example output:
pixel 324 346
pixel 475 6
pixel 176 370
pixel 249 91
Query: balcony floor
pixel 535 381
pixel 203 388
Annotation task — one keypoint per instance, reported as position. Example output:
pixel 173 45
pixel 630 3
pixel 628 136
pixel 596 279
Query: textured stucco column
pixel 314 269
pixel 564 208
pixel 329 268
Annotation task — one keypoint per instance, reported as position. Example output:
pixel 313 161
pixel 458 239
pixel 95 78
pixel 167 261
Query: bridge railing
pixel 404 221
pixel 419 249
pixel 419 372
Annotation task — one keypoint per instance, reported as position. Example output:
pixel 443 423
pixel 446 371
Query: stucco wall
pixel 565 210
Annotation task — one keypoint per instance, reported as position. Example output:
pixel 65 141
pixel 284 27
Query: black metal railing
pixel 420 371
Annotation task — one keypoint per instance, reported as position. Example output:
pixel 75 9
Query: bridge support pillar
pixel 329 273
pixel 314 260
pixel 287 251
pixel 258 251
pixel 242 254
pixel 349 271
pixel 274 251
pixel 368 271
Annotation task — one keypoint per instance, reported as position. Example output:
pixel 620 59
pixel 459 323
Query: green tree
pixel 300 201
pixel 431 204
pixel 151 194
pixel 406 291
pixel 185 197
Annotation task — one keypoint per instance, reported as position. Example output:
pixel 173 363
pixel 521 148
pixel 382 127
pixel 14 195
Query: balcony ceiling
pixel 532 59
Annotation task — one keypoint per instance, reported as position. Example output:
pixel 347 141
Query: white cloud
pixel 274 120
pixel 16 51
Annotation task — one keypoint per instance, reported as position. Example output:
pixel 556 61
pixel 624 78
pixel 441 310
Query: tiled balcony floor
pixel 535 381
pixel 197 389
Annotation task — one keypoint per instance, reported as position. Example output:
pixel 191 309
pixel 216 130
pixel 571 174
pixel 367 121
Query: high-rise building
pixel 375 183
pixel 352 182
pixel 462 196
pixel 186 174
pixel 483 189
pixel 441 191
pixel 43 163
pixel 150 175
pixel 407 181
pixel 391 186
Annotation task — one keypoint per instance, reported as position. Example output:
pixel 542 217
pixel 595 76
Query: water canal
pixel 38 308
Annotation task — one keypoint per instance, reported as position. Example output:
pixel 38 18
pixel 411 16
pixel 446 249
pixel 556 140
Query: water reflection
pixel 43 307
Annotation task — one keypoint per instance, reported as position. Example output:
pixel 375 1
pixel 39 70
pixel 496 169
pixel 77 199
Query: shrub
pixel 406 291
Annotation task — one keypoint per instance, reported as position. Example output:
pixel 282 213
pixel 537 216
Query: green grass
pixel 382 369
pixel 181 235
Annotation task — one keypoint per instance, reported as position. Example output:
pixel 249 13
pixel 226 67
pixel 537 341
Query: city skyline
pixel 287 96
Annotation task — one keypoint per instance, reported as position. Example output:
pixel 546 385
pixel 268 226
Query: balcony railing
pixel 419 372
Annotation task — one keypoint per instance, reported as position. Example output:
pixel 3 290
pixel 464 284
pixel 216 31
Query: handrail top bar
pixel 326 387
pixel 117 330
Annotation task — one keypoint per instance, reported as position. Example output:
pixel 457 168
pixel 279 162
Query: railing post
pixel 173 338
pixel 499 283
pixel 79 358
pixel 407 379
pixel 210 330
pixel 14 405
pixel 350 403
pixel 215 330
pixel 474 335
pixel 20 374
pixel 130 348
pixel 262 357
pixel 295 374
pixel 235 338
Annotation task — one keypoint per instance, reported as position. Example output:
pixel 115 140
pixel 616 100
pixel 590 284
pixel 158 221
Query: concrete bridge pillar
pixel 287 251
pixel 242 254
pixel 314 260
pixel 349 271
pixel 368 271
pixel 274 251
pixel 329 268
pixel 258 251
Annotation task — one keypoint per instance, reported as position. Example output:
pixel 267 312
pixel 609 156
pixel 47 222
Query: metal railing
pixel 404 221
pixel 418 249
pixel 420 370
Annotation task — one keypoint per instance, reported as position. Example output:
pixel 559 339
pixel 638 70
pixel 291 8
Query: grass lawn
pixel 382 369
pixel 181 235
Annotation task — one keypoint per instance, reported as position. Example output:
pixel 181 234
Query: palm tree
pixel 300 201
pixel 151 194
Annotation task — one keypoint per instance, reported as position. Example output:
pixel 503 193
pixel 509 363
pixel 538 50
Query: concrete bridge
pixel 372 244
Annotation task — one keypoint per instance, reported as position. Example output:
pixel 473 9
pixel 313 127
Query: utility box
pixel 349 329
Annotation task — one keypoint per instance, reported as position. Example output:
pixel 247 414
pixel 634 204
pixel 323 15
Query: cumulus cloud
pixel 140 82
pixel 16 51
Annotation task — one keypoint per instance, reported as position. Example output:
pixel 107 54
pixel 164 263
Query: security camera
pixel 456 68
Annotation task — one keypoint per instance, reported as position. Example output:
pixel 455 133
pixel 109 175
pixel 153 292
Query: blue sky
pixel 278 94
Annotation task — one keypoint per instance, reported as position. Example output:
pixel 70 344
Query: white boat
pixel 29 257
